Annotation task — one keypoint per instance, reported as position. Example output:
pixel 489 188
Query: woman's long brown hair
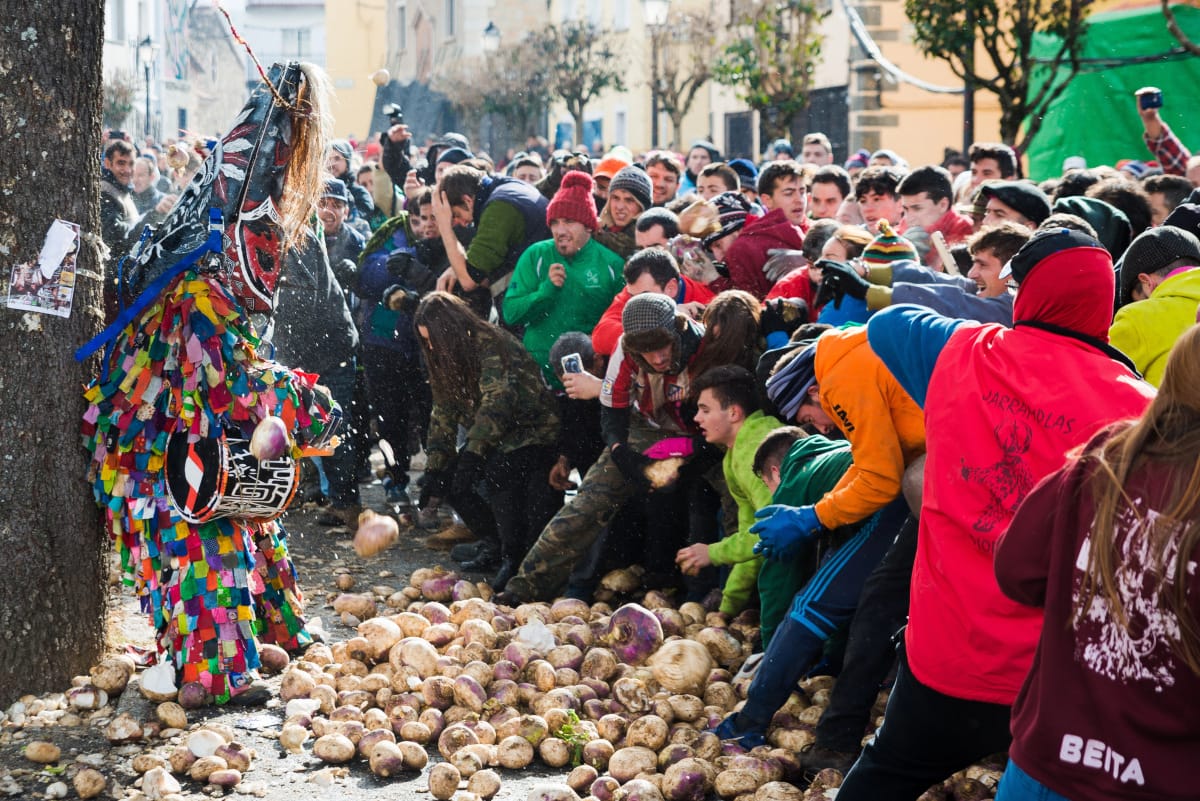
pixel 457 337
pixel 730 332
pixel 1167 434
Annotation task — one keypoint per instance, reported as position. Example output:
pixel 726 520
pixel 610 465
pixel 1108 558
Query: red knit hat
pixel 574 201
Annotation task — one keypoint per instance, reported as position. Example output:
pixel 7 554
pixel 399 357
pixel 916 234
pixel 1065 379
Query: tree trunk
pixel 576 111
pixel 676 130
pixel 775 125
pixel 52 598
pixel 1010 122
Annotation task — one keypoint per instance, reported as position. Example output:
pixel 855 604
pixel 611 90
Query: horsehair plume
pixel 312 129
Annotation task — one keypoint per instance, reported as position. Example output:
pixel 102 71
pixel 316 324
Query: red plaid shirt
pixel 1169 151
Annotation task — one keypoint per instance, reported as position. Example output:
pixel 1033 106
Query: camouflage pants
pixel 566 538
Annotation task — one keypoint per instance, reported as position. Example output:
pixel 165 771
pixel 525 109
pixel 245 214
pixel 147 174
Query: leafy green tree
pixel 581 64
pixel 1005 29
pixel 771 60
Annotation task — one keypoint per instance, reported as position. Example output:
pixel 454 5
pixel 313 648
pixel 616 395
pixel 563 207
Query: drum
pixel 212 477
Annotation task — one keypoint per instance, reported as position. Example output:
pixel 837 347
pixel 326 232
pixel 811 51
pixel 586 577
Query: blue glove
pixel 783 530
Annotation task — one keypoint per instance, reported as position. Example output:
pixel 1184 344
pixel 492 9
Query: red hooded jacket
pixel 1003 409
pixel 746 256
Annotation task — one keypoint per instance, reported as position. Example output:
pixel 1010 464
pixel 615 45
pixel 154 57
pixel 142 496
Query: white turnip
pixel 484 783
pixel 204 767
pixel 554 752
pixel 334 748
pixel 649 731
pixel 682 666
pixel 628 762
pixel 443 781
pixel 552 792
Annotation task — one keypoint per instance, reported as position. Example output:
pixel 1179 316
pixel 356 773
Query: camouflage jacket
pixel 512 408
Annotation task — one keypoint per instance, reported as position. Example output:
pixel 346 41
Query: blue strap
pixel 211 245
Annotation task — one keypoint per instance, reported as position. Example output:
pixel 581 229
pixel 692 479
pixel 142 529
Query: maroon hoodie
pixel 1104 714
pixel 749 253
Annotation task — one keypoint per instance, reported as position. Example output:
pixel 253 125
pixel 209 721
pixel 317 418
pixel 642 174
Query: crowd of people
pixel 946 411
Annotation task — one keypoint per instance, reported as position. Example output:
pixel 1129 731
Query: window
pixel 450 21
pixel 620 15
pixel 297 42
pixel 568 10
pixel 620 127
pixel 402 28
pixel 595 12
pixel 114 20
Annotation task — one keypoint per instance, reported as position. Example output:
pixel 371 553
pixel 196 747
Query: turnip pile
pixel 447 690
pixel 617 696
pixel 207 754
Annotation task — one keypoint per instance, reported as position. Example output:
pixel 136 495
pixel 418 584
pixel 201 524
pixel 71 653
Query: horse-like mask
pixel 244 179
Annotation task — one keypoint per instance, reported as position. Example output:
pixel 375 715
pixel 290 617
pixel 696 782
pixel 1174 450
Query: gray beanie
pixel 342 148
pixel 1153 250
pixel 636 182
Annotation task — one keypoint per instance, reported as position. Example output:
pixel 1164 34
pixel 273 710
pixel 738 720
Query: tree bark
pixel 52 597
pixel 577 115
pixel 676 131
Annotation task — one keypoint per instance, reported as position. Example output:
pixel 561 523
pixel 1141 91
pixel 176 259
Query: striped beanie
pixel 732 209
pixel 788 387
pixel 888 247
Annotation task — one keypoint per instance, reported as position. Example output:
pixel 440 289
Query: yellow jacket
pixel 1146 330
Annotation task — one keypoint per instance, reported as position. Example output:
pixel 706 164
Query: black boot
pixel 508 569
pixel 487 558
pixel 466 551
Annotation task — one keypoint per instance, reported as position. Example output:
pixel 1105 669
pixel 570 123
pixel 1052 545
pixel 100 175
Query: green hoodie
pixel 811 468
pixel 751 494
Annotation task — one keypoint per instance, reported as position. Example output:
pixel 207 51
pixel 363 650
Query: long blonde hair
pixel 312 128
pixel 1167 434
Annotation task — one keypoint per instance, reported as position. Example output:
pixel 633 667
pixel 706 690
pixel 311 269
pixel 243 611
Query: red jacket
pixel 1003 409
pixel 608 331
pixel 748 254
pixel 954 226
pixel 1106 714
pixel 797 284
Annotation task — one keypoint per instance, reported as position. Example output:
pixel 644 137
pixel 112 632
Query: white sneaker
pixel 749 668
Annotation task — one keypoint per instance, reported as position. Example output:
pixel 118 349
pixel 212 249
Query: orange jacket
pixel 885 427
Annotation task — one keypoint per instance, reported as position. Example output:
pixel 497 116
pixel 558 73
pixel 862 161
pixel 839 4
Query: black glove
pixel 632 463
pixel 398 298
pixel 783 314
pixel 466 474
pixel 437 485
pixel 839 280
pixel 704 456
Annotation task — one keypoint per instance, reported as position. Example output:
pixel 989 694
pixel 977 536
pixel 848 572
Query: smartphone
pixel 1149 97
pixel 572 363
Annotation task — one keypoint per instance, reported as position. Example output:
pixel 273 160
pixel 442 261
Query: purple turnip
pixel 638 790
pixel 634 634
pixel 687 780
pixel 270 439
pixel 604 788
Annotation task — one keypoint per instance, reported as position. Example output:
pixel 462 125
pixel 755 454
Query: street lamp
pixel 491 38
pixel 145 49
pixel 654 13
